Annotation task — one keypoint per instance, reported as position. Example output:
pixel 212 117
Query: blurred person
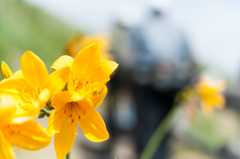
pixel 155 63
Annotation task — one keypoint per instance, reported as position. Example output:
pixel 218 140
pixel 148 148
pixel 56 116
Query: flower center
pixel 30 95
pixel 82 85
pixel 74 112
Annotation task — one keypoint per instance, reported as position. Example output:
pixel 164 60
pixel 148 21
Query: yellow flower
pixel 79 42
pixel 87 71
pixel 69 111
pixel 5 70
pixel 31 86
pixel 25 134
pixel 210 93
pixel 86 90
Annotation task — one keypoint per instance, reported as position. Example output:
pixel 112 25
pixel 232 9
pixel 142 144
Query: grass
pixel 24 27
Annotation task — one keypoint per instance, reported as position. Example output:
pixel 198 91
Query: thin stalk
pixel 46 111
pixel 68 155
pixel 159 134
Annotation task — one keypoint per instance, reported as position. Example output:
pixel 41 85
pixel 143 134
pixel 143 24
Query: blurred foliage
pixel 213 133
pixel 181 150
pixel 24 27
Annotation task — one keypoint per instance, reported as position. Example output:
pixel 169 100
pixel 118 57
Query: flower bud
pixel 5 70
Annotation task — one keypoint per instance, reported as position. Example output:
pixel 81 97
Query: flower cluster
pixel 208 92
pixel 75 88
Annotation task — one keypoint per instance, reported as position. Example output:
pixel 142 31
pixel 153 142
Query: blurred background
pixel 161 46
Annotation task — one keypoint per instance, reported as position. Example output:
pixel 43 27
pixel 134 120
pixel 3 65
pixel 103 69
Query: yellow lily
pixel 80 41
pixel 86 90
pixel 69 111
pixel 87 71
pixel 210 93
pixel 25 134
pixel 31 86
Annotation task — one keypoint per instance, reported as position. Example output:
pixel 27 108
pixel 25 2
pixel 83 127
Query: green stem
pixel 159 134
pixel 68 155
pixel 46 111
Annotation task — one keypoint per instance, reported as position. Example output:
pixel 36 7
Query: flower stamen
pixel 82 85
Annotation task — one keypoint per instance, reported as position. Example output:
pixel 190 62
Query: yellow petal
pixel 61 62
pixel 12 87
pixel 85 103
pixel 100 80
pixel 18 75
pixel 7 109
pixel 101 75
pixel 6 149
pixel 34 70
pixel 93 126
pixel 86 62
pixel 55 121
pixel 22 115
pixel 5 70
pixel 71 86
pixel 62 98
pixel 21 119
pixel 11 113
pixel 44 96
pixel 28 135
pixel 108 66
pixel 98 99
pixel 27 112
pixel 64 140
pixel 57 80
